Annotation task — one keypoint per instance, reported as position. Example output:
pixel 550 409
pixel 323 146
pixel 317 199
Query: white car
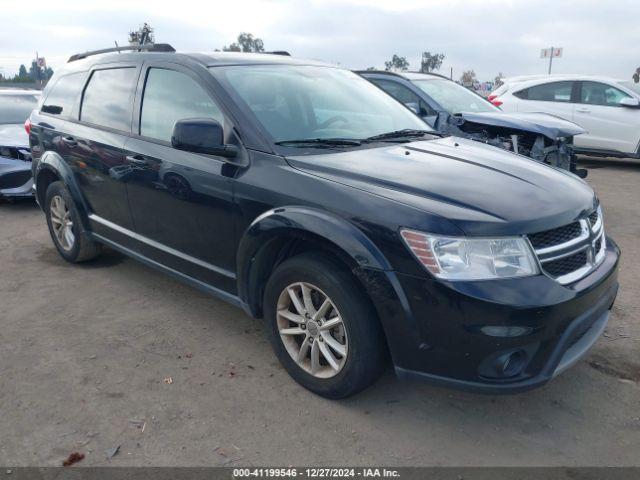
pixel 608 108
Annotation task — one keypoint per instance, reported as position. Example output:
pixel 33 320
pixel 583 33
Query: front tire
pixel 63 221
pixel 322 326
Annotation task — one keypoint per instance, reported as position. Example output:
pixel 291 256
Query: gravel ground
pixel 85 351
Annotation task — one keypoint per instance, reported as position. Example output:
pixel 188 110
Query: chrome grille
pixel 572 251
pixel 556 236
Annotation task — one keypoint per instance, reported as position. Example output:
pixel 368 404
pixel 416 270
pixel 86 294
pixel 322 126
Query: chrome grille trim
pixel 592 233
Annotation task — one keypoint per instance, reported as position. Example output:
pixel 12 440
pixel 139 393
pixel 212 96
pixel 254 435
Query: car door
pixel 97 143
pixel 609 125
pixel 181 202
pixel 556 98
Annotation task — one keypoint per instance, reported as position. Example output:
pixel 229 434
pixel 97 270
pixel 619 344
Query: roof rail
pixel 151 47
pixel 279 52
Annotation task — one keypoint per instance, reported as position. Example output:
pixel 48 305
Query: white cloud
pixel 486 35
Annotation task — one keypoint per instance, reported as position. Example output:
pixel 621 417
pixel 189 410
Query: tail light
pixel 496 102
pixel 27 126
pixel 491 97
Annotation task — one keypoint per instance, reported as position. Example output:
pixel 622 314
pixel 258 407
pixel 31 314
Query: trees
pixel 431 62
pixel 498 80
pixel 23 75
pixel 468 78
pixel 246 43
pixel 397 63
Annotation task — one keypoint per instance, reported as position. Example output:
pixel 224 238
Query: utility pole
pixel 550 61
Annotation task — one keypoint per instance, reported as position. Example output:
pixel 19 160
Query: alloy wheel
pixel 312 330
pixel 62 223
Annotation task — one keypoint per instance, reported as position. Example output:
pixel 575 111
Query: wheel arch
pixel 52 168
pixel 282 232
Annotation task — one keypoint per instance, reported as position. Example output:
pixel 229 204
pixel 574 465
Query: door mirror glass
pixel 201 135
pixel 629 102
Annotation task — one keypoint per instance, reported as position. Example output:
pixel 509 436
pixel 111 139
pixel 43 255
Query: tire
pixel 72 243
pixel 358 334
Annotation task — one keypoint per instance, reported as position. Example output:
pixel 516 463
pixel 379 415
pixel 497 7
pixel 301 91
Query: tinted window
pixel 405 96
pixel 170 96
pixel 595 93
pixel 307 102
pixel 63 95
pixel 107 98
pixel 551 92
pixel 16 108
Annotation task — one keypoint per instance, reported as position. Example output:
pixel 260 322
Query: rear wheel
pixel 322 326
pixel 64 226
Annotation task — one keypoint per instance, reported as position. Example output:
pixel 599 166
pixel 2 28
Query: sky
pixel 488 36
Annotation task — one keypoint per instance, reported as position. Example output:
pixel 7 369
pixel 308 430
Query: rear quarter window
pixel 108 98
pixel 63 95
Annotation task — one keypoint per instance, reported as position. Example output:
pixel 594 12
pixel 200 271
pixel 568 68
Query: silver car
pixel 15 158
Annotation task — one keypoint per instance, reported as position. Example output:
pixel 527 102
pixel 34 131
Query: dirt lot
pixel 85 351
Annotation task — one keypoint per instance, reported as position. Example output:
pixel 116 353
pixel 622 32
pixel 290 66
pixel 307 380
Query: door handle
pixel 70 141
pixel 137 160
pixel 583 110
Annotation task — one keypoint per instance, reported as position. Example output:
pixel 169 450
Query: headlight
pixel 461 258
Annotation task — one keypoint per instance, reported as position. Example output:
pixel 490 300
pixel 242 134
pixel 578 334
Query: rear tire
pixel 335 351
pixel 63 220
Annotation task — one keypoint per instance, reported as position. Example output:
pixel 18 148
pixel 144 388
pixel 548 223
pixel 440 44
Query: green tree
pixel 246 43
pixel 431 62
pixel 22 73
pixel 468 77
pixel 397 63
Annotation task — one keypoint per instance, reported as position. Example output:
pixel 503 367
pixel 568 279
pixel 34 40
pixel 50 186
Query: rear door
pixel 96 144
pixel 609 125
pixel 181 202
pixel 556 98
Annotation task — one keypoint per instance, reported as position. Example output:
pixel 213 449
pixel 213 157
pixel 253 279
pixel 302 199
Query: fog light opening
pixel 511 364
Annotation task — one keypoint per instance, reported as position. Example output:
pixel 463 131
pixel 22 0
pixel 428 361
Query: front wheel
pixel 323 327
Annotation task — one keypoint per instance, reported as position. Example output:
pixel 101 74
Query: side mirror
pixel 630 102
pixel 201 135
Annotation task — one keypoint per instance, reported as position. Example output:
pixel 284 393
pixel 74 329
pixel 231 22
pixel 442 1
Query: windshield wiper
pixel 402 135
pixel 320 142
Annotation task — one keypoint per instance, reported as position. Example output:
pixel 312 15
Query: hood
pixel 482 189
pixel 13 135
pixel 542 123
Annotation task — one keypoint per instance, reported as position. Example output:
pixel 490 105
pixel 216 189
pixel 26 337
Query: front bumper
pixel 561 323
pixel 15 178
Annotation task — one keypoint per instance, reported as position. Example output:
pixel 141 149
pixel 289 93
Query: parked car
pixel 454 109
pixel 607 108
pixel 15 159
pixel 314 200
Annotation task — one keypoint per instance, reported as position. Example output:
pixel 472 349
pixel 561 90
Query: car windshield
pixel 634 87
pixel 16 108
pixel 454 98
pixel 296 103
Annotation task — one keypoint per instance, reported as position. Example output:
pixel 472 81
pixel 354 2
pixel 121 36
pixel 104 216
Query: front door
pixel 609 125
pixel 181 202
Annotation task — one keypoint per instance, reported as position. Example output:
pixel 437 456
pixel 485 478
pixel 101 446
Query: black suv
pixel 307 196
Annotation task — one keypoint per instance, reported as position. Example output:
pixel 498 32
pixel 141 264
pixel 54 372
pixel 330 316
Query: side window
pixel 595 93
pixel 63 95
pixel 405 96
pixel 551 92
pixel 107 98
pixel 170 96
pixel 522 94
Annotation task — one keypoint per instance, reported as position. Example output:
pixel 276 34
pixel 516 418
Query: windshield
pixel 16 108
pixel 311 102
pixel 634 87
pixel 454 98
